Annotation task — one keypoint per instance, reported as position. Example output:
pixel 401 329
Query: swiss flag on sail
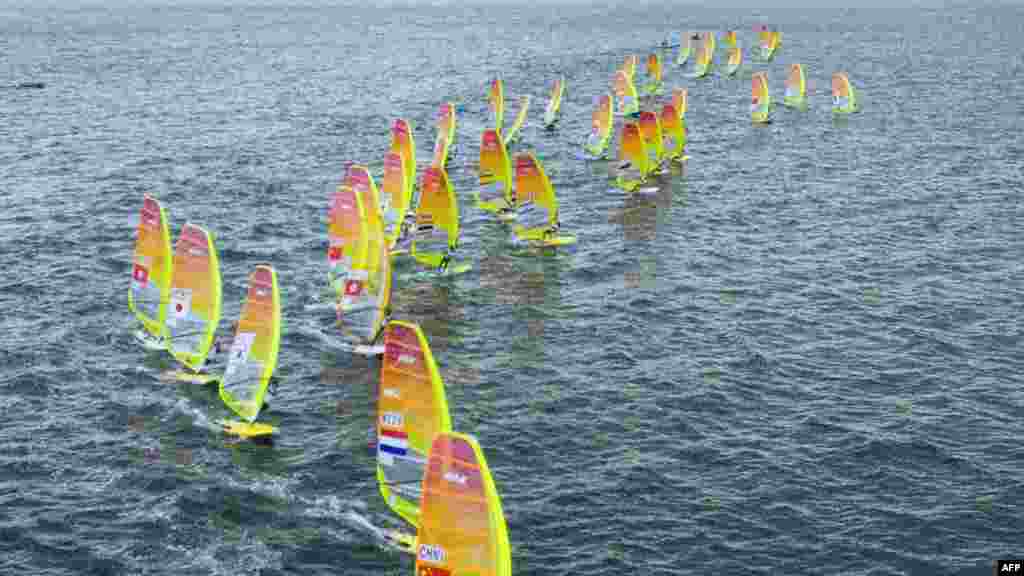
pixel 353 287
pixel 334 253
pixel 140 274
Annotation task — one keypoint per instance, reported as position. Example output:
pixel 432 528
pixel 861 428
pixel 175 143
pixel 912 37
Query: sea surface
pixel 801 356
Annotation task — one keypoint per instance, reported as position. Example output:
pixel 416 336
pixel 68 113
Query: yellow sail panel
pixel 685 49
pixel 633 154
pixel 495 192
pixel 462 526
pixel 703 61
pixel 796 86
pixel 536 203
pixel 151 268
pixel 679 101
pixel 402 143
pixel 625 93
pixel 393 189
pixel 629 65
pixel 253 355
pixel 555 102
pixel 600 125
pixel 709 43
pixel 653 73
pixel 650 131
pixel 673 130
pixel 411 410
pixel 346 236
pixel 735 59
pixel 844 99
pixel 513 133
pixel 445 135
pixel 364 304
pixel 496 104
pixel 759 98
pixel 437 219
pixel 730 38
pixel 194 311
pixel 769 42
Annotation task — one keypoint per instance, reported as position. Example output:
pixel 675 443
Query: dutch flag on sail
pixel 392 443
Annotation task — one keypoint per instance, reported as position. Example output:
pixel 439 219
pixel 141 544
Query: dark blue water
pixel 801 357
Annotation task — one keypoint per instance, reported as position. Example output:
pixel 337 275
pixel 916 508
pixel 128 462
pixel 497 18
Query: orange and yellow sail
pixel 496 103
pixel 495 191
pixel 650 131
pixel 536 203
pixel 844 98
pixel 680 101
pixel 445 135
pixel 634 167
pixel 361 181
pixel 796 87
pixel 625 93
pixel 437 220
pixel 629 65
pixel 253 355
pixel 346 236
pixel 600 126
pixel 705 54
pixel 194 308
pixel 653 84
pixel 685 49
pixel 150 290
pixel 462 526
pixel 555 102
pixel 402 143
pixel 412 410
pixel 760 99
pixel 673 128
pixel 366 297
pixel 735 60
pixel 768 42
pixel 395 203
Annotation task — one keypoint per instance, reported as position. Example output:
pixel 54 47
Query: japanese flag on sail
pixel 181 304
pixel 140 274
pixel 353 287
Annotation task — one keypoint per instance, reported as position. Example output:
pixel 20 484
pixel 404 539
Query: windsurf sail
pixel 600 126
pixel 555 103
pixel 536 203
pixel 151 269
pixel 679 101
pixel 495 192
pixel 633 169
pixel 403 144
pixel 365 302
pixel 445 135
pixel 796 87
pixel 673 129
pixel 685 49
pixel 629 65
pixel 653 84
pixel 462 527
pixel 394 198
pixel 411 411
pixel 760 99
pixel 769 42
pixel 730 38
pixel 513 133
pixel 437 220
pixel 496 103
pixel 650 131
pixel 625 92
pixel 346 237
pixel 704 55
pixel 844 99
pixel 361 181
pixel 735 60
pixel 253 355
pixel 194 311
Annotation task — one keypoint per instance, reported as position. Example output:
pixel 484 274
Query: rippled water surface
pixel 802 356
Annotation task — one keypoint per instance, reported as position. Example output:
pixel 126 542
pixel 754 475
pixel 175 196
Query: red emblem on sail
pixel 334 253
pixel 140 274
pixel 353 287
